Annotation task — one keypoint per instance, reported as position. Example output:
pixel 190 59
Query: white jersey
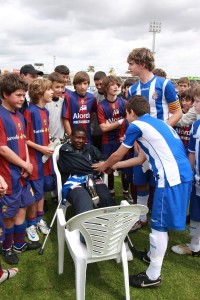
pixel 56 127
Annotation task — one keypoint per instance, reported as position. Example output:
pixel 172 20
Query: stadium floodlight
pixel 154 27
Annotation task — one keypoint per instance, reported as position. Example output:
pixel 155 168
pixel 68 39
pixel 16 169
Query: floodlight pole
pixel 154 27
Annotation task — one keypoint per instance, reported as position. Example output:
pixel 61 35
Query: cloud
pixel 81 33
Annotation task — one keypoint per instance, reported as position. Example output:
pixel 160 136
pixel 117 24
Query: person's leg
pixel 80 199
pixel 7 273
pixel 104 195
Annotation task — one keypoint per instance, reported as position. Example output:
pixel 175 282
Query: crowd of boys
pixel 140 124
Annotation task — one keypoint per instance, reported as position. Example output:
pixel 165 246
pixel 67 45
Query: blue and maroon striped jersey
pixel 111 111
pixel 78 109
pixel 37 129
pixel 12 128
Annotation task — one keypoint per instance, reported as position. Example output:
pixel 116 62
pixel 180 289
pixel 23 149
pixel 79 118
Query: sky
pixel 80 33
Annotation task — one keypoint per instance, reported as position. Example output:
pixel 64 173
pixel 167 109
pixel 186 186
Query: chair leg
pixel 125 271
pixel 61 247
pixel 81 267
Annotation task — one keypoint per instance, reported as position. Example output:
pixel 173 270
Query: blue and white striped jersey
pixel 163 149
pixel 160 93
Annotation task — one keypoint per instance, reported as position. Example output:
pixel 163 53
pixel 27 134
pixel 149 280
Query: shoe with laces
pixel 138 225
pixel 128 252
pixel 143 255
pixel 42 226
pixel 127 197
pixel 7 274
pixel 185 250
pixel 141 280
pixel 27 247
pixel 10 257
pixel 32 233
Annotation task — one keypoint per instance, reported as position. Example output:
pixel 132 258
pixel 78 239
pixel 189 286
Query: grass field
pixel 38 276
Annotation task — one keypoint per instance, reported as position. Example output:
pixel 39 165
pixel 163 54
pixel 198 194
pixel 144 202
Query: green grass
pixel 38 275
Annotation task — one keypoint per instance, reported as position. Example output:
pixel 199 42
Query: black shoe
pixel 196 254
pixel 141 280
pixel 10 257
pixel 26 247
pixel 142 255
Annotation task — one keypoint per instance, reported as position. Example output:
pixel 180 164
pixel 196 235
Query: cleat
pixel 27 247
pixel 185 250
pixel 32 233
pixel 141 280
pixel 7 274
pixel 42 226
pixel 10 257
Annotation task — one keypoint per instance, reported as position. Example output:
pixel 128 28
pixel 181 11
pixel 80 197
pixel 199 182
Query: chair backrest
pixel 105 229
pixel 58 175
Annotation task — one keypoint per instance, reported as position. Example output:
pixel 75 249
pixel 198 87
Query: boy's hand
pixel 3 186
pixel 46 151
pixel 100 167
pixel 28 168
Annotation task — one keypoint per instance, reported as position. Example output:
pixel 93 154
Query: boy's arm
pixel 67 126
pixel 3 186
pixel 139 160
pixel 13 158
pixel 110 126
pixel 192 159
pixel 43 149
pixel 188 118
pixel 175 117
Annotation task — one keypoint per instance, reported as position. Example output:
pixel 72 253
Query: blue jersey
pixel 194 146
pixel 161 95
pixel 111 111
pixel 78 109
pixel 12 128
pixel 162 148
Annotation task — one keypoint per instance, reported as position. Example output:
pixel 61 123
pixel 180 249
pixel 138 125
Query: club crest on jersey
pixel 154 96
pixel 4 208
pixel 19 126
pixel 82 101
pixel 82 108
pixel 113 106
pixel 45 122
pixel 21 136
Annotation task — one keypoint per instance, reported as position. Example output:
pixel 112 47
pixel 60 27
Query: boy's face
pixel 182 87
pixel 66 78
pixel 29 77
pixel 98 84
pixel 196 104
pixel 187 104
pixel 48 95
pixel 57 88
pixel 81 88
pixel 113 90
pixel 14 100
pixel 134 68
pixel 130 116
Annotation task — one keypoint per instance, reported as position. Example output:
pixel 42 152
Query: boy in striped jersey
pixel 162 148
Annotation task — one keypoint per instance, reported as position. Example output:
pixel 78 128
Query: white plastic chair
pixel 104 231
pixel 58 177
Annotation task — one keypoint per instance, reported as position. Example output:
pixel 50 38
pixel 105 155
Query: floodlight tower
pixel 154 27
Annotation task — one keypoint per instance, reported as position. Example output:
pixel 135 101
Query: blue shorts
pixel 12 202
pixel 27 196
pixel 141 178
pixel 40 186
pixel 170 207
pixel 195 204
pixel 109 149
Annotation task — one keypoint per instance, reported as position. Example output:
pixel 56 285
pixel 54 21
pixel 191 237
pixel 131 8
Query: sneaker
pixel 32 233
pixel 42 226
pixel 141 280
pixel 128 252
pixel 127 197
pixel 10 257
pixel 7 274
pixel 138 225
pixel 26 247
pixel 185 250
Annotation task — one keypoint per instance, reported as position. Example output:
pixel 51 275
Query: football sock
pixel 7 243
pixel 40 215
pixel 142 198
pixel 19 235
